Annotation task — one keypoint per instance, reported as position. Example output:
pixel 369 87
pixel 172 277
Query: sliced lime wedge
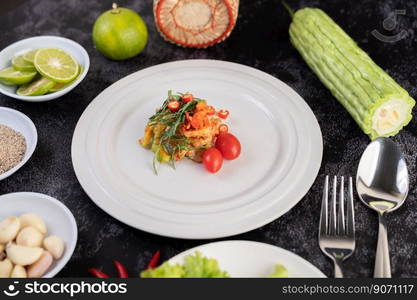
pixel 10 76
pixel 60 86
pixel 56 64
pixel 22 65
pixel 37 87
pixel 30 56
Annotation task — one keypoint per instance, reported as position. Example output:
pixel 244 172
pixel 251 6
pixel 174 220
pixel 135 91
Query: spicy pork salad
pixel 188 127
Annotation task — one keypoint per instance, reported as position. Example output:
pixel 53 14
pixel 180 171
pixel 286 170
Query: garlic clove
pixel 22 255
pixel 30 237
pixel 40 267
pixel 18 272
pixel 6 267
pixel 54 245
pixel 9 228
pixel 33 220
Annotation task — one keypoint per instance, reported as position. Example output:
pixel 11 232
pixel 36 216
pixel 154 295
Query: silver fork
pixel 337 235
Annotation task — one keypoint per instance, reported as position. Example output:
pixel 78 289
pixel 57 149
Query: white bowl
pixel 58 218
pixel 21 123
pixel 22 46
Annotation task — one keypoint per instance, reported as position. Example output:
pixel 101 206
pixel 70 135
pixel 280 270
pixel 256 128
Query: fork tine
pixel 323 213
pixel 332 221
pixel 350 214
pixel 341 211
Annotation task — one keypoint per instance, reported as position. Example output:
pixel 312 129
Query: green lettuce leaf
pixel 195 266
pixel 280 271
pixel 198 266
pixel 165 270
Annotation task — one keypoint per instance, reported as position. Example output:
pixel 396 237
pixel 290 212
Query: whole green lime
pixel 120 33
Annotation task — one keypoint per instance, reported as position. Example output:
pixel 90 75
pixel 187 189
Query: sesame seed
pixel 12 148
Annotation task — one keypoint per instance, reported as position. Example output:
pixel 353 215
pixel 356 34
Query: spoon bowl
pixel 382 183
pixel 382 179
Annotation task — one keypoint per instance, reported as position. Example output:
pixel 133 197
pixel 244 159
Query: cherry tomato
pixel 223 128
pixel 187 98
pixel 228 145
pixel 212 160
pixel 174 105
pixel 223 113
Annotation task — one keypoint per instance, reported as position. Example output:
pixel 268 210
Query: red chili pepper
pixel 154 260
pixel 97 273
pixel 223 113
pixel 174 105
pixel 211 111
pixel 121 269
pixel 187 98
pixel 223 128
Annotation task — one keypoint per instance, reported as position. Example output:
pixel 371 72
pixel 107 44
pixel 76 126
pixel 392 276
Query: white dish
pixel 252 259
pixel 45 41
pixel 21 123
pixel 281 152
pixel 58 218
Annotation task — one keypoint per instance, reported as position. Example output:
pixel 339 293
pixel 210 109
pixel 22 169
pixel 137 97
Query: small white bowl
pixel 58 218
pixel 21 123
pixel 22 46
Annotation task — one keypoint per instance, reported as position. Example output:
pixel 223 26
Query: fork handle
pixel 382 260
pixel 338 269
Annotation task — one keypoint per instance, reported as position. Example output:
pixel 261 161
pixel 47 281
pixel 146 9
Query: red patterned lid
pixel 195 23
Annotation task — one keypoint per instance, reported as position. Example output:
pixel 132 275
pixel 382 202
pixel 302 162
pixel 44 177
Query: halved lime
pixel 60 86
pixel 56 64
pixel 22 65
pixel 36 88
pixel 10 76
pixel 30 56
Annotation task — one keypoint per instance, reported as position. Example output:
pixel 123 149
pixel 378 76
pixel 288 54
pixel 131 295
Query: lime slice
pixel 10 76
pixel 60 86
pixel 36 88
pixel 22 65
pixel 56 64
pixel 30 56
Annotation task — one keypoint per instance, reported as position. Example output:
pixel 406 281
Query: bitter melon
pixel 379 105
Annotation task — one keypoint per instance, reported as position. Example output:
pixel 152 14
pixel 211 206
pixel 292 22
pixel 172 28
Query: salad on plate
pixel 188 127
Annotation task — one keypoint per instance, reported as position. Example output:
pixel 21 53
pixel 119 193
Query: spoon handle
pixel 382 260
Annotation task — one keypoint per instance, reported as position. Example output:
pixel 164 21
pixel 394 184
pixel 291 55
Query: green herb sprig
pixel 170 140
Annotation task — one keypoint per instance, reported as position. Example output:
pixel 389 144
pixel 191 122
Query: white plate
pixel 44 41
pixel 21 123
pixel 252 259
pixel 281 152
pixel 58 218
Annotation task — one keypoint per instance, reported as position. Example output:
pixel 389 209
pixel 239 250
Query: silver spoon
pixel 382 184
